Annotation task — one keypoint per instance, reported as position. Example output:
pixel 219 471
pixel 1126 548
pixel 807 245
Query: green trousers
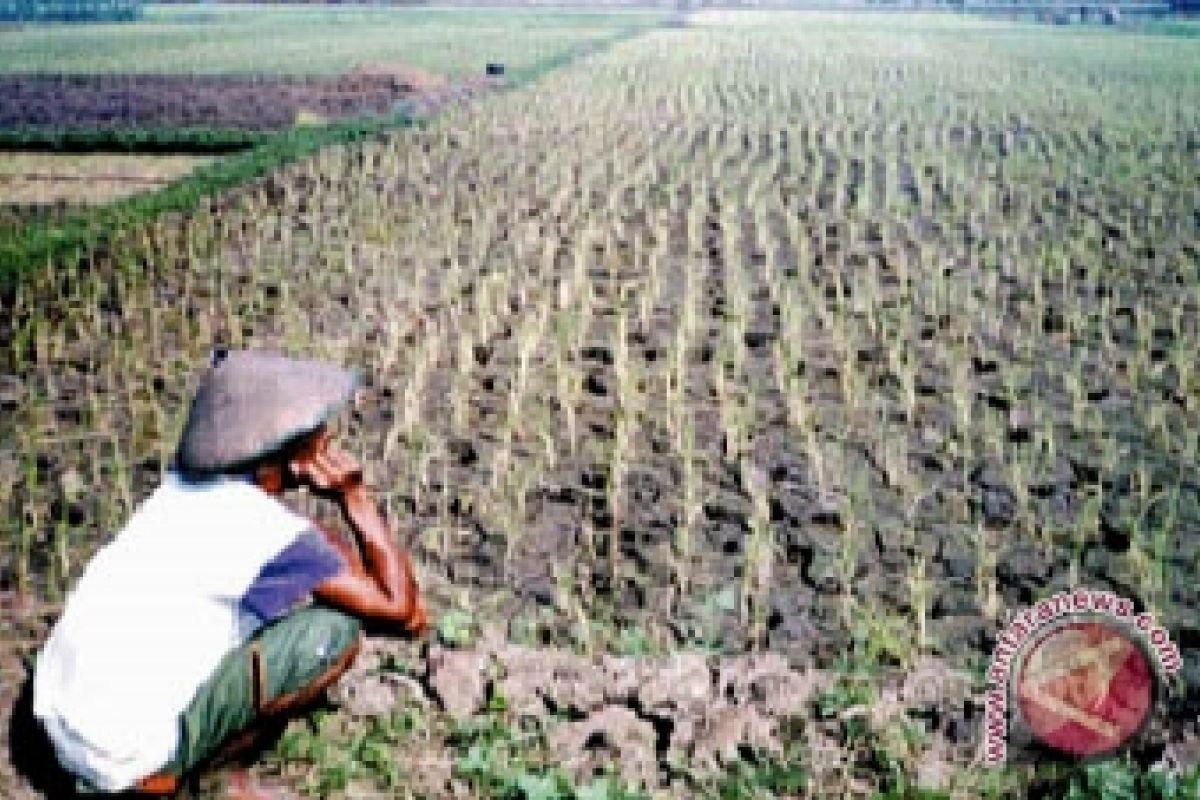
pixel 291 653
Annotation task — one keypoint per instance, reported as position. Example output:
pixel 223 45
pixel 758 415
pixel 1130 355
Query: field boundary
pixel 43 243
pixel 135 140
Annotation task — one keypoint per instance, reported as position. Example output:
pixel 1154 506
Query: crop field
pixel 245 103
pixel 229 38
pixel 777 357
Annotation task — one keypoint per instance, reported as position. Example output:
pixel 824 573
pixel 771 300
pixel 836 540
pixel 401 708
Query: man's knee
pixel 330 634
pixel 304 647
pixel 335 652
pixel 325 647
pixel 289 664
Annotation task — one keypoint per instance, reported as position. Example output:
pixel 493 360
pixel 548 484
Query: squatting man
pixel 216 610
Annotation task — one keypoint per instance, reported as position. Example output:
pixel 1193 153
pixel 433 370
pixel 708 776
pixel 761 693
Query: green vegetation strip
pixel 181 141
pixel 46 241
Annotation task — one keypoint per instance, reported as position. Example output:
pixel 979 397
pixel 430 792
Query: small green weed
pixel 633 642
pixel 339 754
pixel 501 761
pixel 850 690
pixel 1123 779
pixel 456 628
pixel 767 778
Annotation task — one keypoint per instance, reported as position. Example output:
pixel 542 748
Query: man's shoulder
pixel 291 575
pixel 232 502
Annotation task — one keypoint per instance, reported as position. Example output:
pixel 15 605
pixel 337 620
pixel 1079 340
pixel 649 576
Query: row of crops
pixel 818 275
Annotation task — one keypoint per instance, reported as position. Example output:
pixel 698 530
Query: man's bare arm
pixel 362 598
pixel 388 592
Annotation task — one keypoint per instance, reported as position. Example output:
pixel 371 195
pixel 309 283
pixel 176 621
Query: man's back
pixel 153 615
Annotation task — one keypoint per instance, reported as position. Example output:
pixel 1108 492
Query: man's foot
pixel 241 785
pixel 160 785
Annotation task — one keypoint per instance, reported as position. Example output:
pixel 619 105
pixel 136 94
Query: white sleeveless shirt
pixel 153 615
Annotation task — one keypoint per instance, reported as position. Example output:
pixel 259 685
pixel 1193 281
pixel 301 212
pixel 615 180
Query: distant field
pixel 1188 28
pixel 46 178
pixel 173 102
pixel 232 38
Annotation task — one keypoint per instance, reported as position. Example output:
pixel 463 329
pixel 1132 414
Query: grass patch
pixel 1119 779
pixel 1187 28
pixel 761 780
pixel 337 756
pixel 501 761
pixel 173 141
pixel 230 38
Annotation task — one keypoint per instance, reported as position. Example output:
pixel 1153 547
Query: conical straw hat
pixel 250 403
